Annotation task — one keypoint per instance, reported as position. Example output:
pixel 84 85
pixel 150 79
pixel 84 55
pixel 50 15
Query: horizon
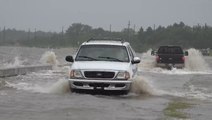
pixel 62 29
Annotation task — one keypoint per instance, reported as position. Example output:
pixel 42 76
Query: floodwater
pixel 45 95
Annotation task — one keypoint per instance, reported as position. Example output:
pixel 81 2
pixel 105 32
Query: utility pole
pixel 134 29
pixel 0 35
pixel 62 33
pixel 62 36
pixel 129 31
pixel 35 36
pixel 110 28
pixel 29 34
pixel 4 34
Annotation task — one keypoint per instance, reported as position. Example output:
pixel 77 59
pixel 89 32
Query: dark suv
pixel 170 56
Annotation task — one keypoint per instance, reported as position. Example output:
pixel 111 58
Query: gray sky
pixel 52 15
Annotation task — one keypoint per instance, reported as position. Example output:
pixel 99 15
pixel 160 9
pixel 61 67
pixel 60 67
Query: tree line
pixel 198 36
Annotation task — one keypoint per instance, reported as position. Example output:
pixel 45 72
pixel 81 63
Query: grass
pixel 175 109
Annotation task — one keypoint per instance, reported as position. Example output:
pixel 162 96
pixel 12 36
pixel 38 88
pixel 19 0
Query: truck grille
pixel 99 74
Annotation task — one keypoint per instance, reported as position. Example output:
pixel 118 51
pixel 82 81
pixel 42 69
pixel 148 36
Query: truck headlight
pixel 123 75
pixel 76 74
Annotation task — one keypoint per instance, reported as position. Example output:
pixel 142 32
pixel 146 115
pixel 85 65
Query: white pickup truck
pixel 103 65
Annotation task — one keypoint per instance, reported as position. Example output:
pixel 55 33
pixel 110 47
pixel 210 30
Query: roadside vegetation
pixel 198 36
pixel 176 109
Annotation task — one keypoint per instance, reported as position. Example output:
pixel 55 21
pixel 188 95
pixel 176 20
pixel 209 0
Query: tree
pixel 77 31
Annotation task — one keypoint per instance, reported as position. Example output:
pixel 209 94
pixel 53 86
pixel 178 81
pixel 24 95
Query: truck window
pixel 170 50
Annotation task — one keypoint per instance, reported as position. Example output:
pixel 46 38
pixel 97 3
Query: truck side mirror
pixel 186 53
pixel 152 52
pixel 69 59
pixel 136 60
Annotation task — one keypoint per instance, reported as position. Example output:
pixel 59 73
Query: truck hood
pixel 100 65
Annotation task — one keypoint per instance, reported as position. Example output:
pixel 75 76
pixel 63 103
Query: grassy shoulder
pixel 175 109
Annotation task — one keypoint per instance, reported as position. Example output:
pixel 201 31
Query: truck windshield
pixel 170 50
pixel 102 53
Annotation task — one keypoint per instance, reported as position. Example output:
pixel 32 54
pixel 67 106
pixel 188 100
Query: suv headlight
pixel 124 75
pixel 76 74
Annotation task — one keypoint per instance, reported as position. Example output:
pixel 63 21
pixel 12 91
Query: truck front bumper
pixel 84 84
pixel 168 65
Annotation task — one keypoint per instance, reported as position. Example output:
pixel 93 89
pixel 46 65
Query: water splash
pixel 49 57
pixel 195 61
pixel 147 60
pixel 65 70
pixel 141 86
pixel 17 62
pixel 27 87
pixel 60 87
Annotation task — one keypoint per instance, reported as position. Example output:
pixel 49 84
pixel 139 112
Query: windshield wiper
pixel 111 58
pixel 87 57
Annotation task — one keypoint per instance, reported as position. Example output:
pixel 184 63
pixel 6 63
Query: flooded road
pixel 45 95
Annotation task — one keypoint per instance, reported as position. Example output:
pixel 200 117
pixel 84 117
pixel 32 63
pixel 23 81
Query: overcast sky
pixel 52 15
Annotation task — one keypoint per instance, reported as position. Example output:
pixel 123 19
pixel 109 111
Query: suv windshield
pixel 170 50
pixel 102 53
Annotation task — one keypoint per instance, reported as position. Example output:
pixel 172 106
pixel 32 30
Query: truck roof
pixel 170 46
pixel 118 42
